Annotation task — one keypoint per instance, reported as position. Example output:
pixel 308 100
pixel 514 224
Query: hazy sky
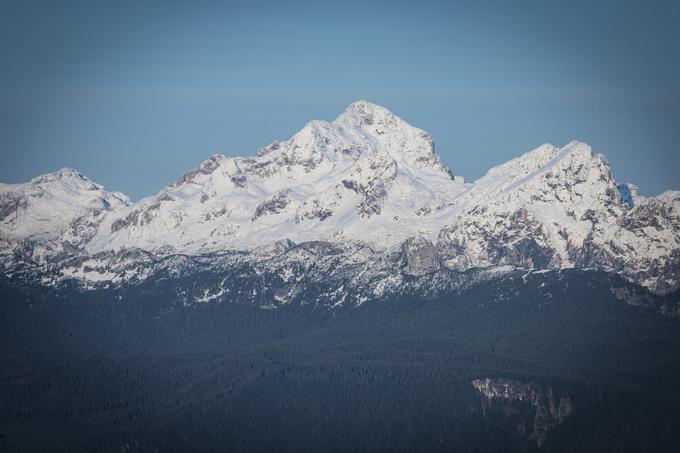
pixel 133 94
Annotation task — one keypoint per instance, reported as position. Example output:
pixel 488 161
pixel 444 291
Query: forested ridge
pixel 133 369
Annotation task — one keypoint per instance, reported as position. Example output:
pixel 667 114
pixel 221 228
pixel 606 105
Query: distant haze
pixel 134 95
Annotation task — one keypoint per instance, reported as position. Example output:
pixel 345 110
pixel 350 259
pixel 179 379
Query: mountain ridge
pixel 368 177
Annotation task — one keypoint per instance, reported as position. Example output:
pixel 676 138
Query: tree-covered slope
pixel 134 369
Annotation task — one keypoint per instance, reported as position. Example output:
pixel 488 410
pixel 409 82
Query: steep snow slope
pixel 369 182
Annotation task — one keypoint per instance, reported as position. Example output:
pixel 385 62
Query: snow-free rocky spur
pixel 362 202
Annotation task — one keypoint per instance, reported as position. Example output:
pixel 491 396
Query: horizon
pixel 135 95
pixel 467 180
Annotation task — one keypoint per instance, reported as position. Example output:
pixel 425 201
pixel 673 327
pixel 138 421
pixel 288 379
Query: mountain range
pixel 343 291
pixel 365 197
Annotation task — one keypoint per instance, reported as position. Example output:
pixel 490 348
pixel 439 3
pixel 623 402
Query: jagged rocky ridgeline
pixel 367 186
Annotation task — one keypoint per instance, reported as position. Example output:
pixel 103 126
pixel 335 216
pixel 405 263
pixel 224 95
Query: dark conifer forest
pixel 133 369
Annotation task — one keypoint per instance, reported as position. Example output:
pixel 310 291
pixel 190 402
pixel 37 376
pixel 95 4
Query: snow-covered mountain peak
pixel 66 178
pixel 348 179
pixel 541 209
pixel 548 169
pixel 542 157
pixel 63 173
pixel 53 212
pixel 577 147
pixel 500 177
pixel 385 132
pixel 363 113
pixel 363 132
pixel 67 185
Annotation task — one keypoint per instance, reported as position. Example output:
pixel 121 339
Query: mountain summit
pixel 367 175
pixel 366 179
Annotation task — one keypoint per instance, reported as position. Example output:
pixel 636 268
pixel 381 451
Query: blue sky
pixel 133 94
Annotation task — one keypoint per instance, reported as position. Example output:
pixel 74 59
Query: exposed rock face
pixel 10 204
pixel 512 238
pixel 326 274
pixel 505 394
pixel 645 247
pixel 314 209
pixel 372 181
pixel 206 168
pixel 273 205
pixel 420 256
